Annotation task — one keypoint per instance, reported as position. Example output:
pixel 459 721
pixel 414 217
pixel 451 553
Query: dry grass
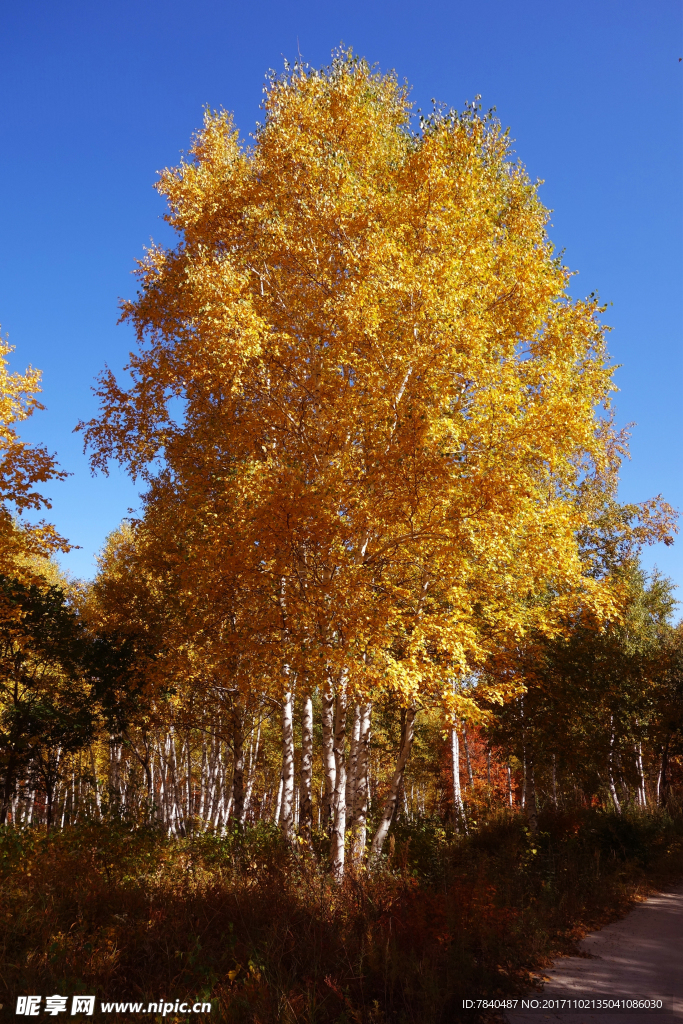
pixel 260 931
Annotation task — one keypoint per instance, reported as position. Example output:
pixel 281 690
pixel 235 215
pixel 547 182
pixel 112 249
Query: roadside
pixel 640 956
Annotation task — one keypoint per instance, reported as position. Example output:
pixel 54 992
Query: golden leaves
pixel 389 416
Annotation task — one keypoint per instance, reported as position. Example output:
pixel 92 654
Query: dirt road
pixel 640 956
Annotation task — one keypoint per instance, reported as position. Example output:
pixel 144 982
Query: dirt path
pixel 640 956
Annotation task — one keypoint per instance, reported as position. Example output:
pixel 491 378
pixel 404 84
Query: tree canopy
pixel 367 409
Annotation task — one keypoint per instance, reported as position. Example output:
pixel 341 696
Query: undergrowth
pixel 255 927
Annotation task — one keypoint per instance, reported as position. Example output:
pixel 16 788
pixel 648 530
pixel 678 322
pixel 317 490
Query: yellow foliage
pixel 22 466
pixel 383 421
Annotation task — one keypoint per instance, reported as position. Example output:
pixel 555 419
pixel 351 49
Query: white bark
pixel 329 764
pixel 278 802
pixel 306 797
pixel 642 795
pixel 455 767
pixel 339 820
pixel 253 761
pixel 360 804
pixel 287 806
pixel 610 774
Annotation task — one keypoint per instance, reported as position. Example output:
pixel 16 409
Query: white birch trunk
pixel 253 761
pixel 306 796
pixel 329 764
pixel 287 808
pixel 360 805
pixel 339 820
pixel 455 767
pixel 278 803
pixel 610 774
pixel 642 795
pixel 353 766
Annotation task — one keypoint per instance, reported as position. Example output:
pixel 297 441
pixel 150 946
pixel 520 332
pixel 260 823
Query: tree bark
pixel 360 804
pixel 287 807
pixel 531 809
pixel 238 764
pixel 253 761
pixel 470 773
pixel 329 764
pixel 306 797
pixel 610 774
pixel 353 767
pixel 392 796
pixel 458 807
pixel 339 819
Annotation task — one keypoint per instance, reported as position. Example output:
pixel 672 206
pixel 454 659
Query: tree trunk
pixel 328 754
pixel 531 809
pixel 306 797
pixel 287 807
pixel 339 820
pixel 392 796
pixel 610 774
pixel 458 808
pixel 642 794
pixel 353 766
pixel 662 781
pixel 470 773
pixel 253 761
pixel 360 804
pixel 238 764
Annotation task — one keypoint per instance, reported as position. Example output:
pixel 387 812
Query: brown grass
pixel 260 931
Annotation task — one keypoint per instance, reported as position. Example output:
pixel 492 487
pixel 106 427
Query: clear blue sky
pixel 97 97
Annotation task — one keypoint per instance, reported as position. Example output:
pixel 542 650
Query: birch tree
pixel 369 390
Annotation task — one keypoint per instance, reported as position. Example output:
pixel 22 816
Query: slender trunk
pixel 353 766
pixel 339 821
pixel 29 814
pixel 278 802
pixel 328 754
pixel 287 807
pixel 610 775
pixel 238 764
pixel 470 773
pixel 8 788
pixel 392 796
pixel 360 804
pixel 253 761
pixel 188 785
pixel 531 809
pixel 458 807
pixel 661 777
pixel 642 795
pixel 306 797
pixel 554 784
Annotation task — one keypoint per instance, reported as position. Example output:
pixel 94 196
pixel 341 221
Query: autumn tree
pixel 594 697
pixel 59 683
pixel 364 378
pixel 22 468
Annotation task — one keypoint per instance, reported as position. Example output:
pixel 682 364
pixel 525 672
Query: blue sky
pixel 96 98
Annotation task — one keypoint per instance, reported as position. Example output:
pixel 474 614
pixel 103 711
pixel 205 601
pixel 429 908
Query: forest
pixel 372 706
